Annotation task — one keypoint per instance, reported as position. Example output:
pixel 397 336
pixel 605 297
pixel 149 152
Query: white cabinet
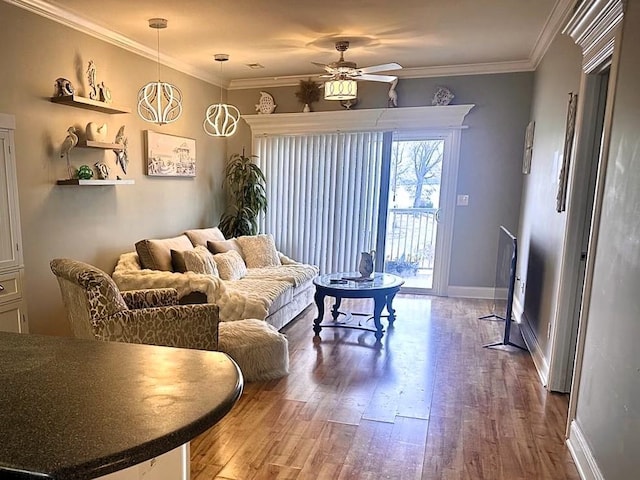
pixel 13 316
pixel 173 465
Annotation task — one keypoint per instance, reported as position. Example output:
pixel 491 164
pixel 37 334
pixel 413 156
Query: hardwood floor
pixel 430 404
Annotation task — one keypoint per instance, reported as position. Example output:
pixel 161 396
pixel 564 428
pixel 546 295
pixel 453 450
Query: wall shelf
pixel 87 103
pixel 101 145
pixel 93 183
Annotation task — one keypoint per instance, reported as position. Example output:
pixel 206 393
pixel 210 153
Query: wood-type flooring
pixel 431 403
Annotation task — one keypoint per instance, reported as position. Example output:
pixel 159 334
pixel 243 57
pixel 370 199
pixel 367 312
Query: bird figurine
pixel 393 95
pixel 69 142
pixel 121 154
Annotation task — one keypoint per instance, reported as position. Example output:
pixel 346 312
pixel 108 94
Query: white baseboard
pixel 581 453
pixel 470 292
pixel 539 360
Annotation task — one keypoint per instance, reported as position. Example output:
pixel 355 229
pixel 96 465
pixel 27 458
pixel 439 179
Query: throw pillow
pixel 202 235
pixel 155 254
pixel 197 260
pixel 230 265
pixel 222 246
pixel 259 251
pixel 177 261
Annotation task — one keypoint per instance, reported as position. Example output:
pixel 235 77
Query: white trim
pixel 418 72
pixel 455 291
pixel 597 28
pixel 374 119
pixel 581 453
pixel 539 359
pixel 593 29
pixel 517 309
pixel 558 17
pixel 76 22
pixel 7 121
pixel 444 234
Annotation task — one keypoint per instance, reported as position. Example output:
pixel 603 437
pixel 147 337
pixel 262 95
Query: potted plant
pixel 308 93
pixel 245 184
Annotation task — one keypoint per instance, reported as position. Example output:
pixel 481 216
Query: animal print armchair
pixel 98 310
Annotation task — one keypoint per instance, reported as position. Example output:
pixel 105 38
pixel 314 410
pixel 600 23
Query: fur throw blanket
pixel 233 305
pixel 295 273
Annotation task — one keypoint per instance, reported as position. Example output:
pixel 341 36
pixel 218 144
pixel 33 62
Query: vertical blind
pixel 323 195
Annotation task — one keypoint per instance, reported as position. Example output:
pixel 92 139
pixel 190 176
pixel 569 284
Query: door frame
pixel 596 27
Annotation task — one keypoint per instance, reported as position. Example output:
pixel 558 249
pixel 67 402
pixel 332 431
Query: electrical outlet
pixel 463 200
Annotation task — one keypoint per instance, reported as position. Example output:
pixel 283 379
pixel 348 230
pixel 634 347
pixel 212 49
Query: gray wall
pixel 541 230
pixel 93 224
pixel 609 396
pixel 490 163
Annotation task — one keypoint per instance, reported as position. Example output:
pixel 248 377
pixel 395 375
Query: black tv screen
pixel 505 274
pixel 505 285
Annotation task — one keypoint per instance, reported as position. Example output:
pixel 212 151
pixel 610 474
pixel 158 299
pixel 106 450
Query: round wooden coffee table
pixel 382 288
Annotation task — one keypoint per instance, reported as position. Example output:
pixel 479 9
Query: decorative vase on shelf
pixel 306 108
pixel 366 263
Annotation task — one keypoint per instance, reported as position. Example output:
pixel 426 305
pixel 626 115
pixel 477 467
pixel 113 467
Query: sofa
pixel 246 277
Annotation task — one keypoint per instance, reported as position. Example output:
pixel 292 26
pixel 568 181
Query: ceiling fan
pixel 343 70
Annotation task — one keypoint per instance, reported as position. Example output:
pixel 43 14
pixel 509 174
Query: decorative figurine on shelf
pixel 85 172
pixel 105 93
pixel 266 104
pixel 121 154
pixel 96 133
pixel 68 143
pixel 393 95
pixel 366 263
pixel 91 77
pixel 349 104
pixel 308 93
pixel 64 87
pixel 443 96
pixel 103 170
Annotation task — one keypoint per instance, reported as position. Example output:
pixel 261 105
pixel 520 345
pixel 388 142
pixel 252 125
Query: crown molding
pixel 561 12
pixel 373 119
pixel 593 28
pixel 421 72
pixel 76 22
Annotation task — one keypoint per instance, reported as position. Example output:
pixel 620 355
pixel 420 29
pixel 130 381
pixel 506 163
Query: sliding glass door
pixel 334 195
pixel 412 233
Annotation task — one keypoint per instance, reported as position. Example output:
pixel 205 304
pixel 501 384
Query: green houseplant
pixel 308 93
pixel 245 184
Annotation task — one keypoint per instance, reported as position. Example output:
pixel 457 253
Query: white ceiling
pixel 426 37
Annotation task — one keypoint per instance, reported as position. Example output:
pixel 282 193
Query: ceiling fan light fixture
pixel 340 89
pixel 159 102
pixel 221 119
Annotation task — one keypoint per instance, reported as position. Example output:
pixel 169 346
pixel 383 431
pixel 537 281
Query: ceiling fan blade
pixel 324 67
pixel 380 68
pixel 377 78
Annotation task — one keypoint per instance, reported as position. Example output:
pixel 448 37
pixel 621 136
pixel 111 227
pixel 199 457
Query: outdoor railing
pixel 411 240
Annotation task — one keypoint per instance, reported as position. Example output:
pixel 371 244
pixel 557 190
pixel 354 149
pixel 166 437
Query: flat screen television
pixel 505 284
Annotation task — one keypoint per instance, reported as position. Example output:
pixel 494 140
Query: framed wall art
pixel 170 155
pixel 570 130
pixel 528 148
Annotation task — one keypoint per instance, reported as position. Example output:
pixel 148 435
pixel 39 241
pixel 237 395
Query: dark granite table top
pixel 76 409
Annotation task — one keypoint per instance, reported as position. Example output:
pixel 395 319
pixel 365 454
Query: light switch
pixel 463 200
